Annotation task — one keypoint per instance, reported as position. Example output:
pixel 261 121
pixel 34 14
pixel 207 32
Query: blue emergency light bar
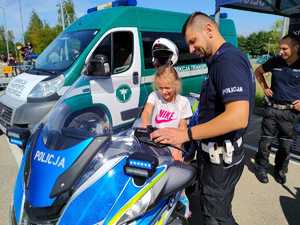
pixel 16 141
pixel 140 164
pixel 115 3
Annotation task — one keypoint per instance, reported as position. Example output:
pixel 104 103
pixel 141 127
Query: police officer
pixel 283 98
pixel 224 111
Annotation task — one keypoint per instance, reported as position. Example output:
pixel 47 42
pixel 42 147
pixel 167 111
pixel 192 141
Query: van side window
pixel 185 58
pixel 113 55
pixel 122 51
pixel 100 62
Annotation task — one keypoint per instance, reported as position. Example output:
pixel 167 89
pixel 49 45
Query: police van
pixel 124 35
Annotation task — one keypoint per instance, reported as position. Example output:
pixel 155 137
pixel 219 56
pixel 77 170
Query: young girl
pixel 167 108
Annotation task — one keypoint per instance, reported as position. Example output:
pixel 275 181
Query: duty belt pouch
pixel 228 151
pixel 214 155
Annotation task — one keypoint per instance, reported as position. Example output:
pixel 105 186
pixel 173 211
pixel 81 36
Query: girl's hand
pixel 177 154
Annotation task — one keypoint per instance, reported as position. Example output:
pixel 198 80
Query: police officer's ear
pixel 208 28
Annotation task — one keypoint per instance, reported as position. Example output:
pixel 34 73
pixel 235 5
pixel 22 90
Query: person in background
pixel 226 101
pixel 282 110
pixel 13 63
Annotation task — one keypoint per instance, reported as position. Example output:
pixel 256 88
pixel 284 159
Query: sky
pixel 246 22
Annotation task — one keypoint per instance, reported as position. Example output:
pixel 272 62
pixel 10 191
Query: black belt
pixel 280 106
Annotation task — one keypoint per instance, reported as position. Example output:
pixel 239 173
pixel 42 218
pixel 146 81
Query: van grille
pixel 5 115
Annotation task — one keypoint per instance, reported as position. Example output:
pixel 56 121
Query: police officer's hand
pixel 297 105
pixel 268 92
pixel 174 136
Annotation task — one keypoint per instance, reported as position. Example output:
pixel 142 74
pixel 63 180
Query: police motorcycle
pixel 77 170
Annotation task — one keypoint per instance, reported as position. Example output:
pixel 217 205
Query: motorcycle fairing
pixel 96 205
pixel 91 200
pixel 50 163
pixel 19 194
pixel 131 194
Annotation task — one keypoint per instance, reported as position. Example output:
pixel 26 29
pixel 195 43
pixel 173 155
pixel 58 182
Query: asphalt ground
pixel 253 204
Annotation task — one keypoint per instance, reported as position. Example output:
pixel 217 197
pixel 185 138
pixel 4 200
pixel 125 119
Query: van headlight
pixel 47 88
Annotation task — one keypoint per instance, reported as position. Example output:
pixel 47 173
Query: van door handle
pixel 135 78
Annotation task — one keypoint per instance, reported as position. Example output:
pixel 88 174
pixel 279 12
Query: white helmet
pixel 164 51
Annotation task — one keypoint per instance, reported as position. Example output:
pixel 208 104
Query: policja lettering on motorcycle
pixel 50 159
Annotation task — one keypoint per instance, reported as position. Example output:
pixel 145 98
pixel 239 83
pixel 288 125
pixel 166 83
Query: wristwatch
pixel 189 132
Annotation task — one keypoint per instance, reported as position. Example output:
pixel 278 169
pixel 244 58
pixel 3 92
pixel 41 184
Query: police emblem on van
pixel 123 93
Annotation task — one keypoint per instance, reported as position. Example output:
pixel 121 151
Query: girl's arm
pixel 146 114
pixel 176 154
pixel 183 124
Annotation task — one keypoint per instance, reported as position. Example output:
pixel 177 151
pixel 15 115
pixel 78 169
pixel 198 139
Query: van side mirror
pixel 98 66
pixel 18 136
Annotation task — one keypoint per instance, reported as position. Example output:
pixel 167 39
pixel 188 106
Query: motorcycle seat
pixel 179 175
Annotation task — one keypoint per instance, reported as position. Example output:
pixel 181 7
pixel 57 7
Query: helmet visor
pixel 161 57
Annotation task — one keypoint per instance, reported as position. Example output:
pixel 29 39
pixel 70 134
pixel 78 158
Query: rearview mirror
pixel 98 66
pixel 18 136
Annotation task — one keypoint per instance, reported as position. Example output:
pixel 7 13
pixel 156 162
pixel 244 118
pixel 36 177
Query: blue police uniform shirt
pixel 230 78
pixel 285 81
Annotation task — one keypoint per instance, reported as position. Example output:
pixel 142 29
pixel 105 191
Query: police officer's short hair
pixel 191 19
pixel 294 38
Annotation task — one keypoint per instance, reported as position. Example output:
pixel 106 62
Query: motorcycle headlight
pixel 47 88
pixel 139 208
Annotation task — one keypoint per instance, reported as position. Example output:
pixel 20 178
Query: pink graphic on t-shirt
pixel 164 116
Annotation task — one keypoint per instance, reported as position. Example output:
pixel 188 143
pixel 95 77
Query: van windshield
pixel 63 51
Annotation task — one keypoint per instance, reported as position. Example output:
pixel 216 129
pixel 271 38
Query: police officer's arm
pixel 259 74
pixel 234 117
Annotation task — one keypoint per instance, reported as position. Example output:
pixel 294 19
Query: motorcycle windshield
pixel 63 51
pixel 68 125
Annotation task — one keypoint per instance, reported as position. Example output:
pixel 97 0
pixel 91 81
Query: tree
pixel 263 42
pixel 242 42
pixel 39 33
pixel 10 38
pixel 69 12
pixel 34 33
pixel 275 35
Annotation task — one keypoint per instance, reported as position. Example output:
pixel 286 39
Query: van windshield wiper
pixel 44 71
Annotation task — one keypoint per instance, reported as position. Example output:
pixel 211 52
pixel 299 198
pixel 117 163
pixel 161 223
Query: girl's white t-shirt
pixel 168 114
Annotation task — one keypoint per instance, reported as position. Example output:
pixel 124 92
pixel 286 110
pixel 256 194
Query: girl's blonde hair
pixel 167 72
